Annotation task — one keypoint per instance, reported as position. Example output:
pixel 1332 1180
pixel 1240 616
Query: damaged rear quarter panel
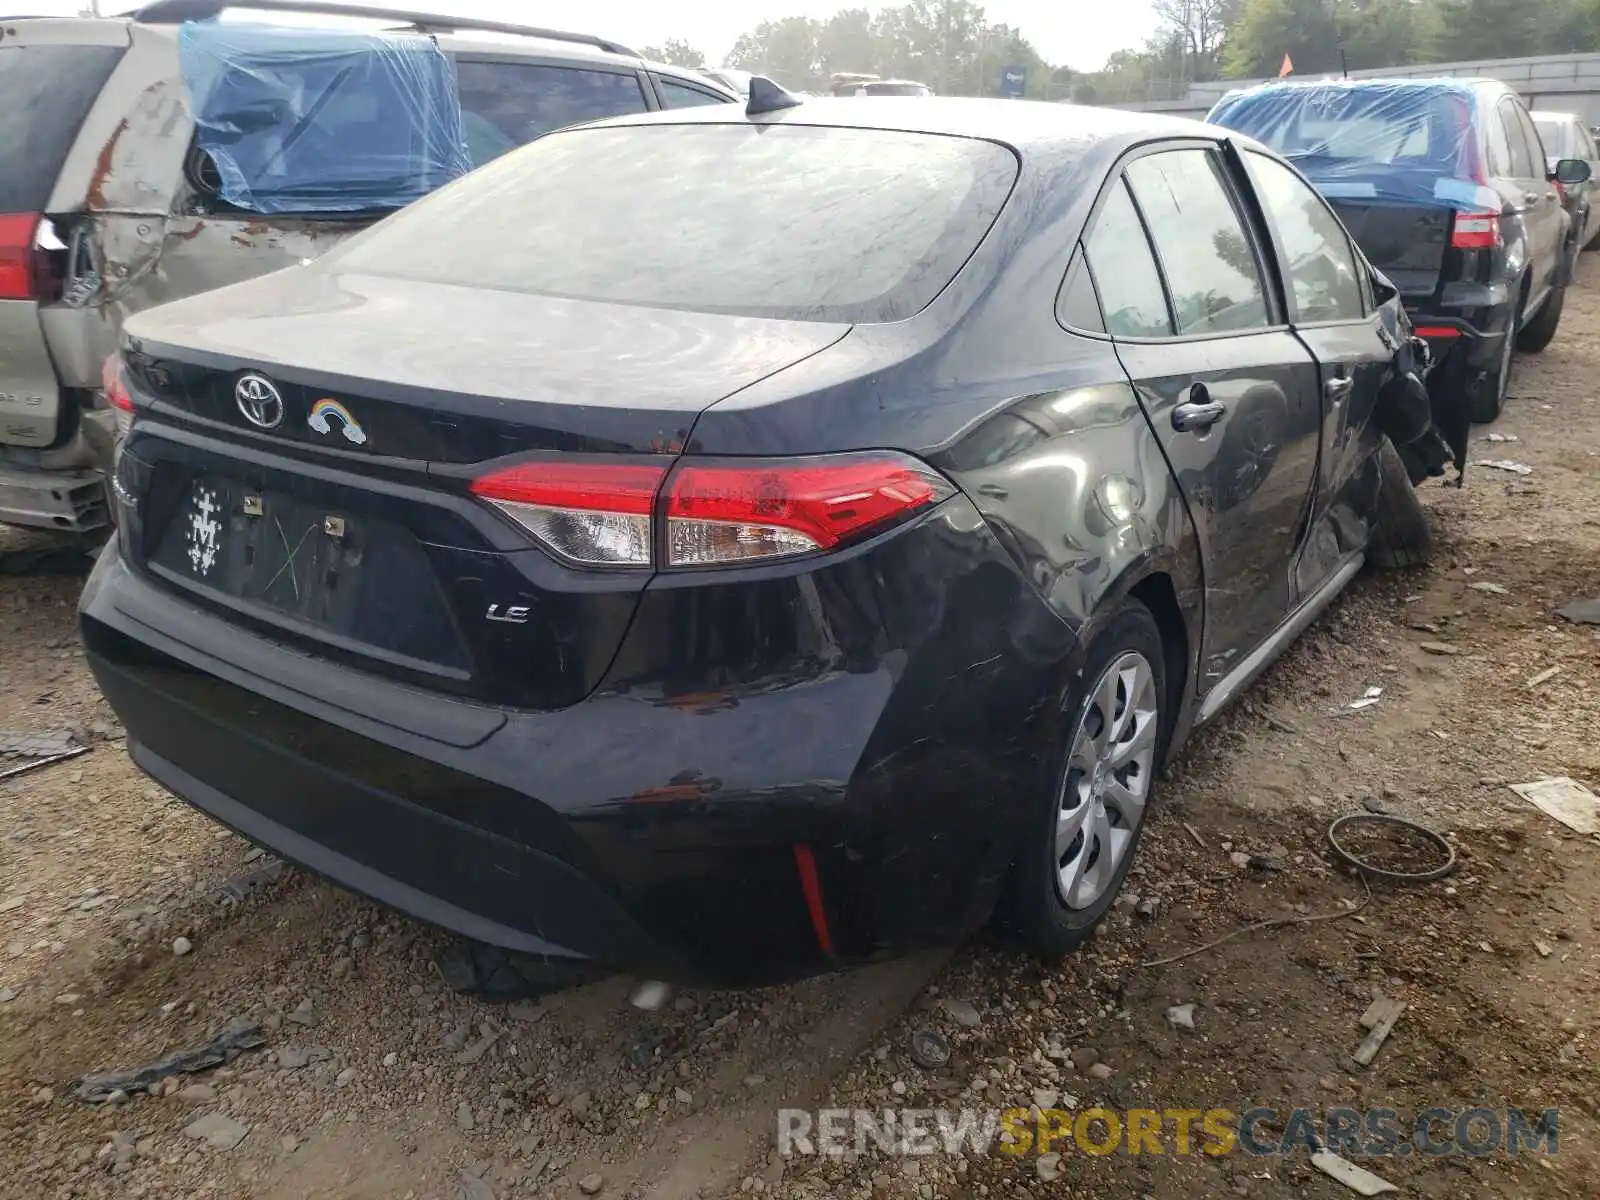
pixel 124 192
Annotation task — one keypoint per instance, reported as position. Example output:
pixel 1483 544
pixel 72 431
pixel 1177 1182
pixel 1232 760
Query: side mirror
pixel 1570 172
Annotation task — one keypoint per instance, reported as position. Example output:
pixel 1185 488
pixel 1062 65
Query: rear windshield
pixel 45 93
pixel 1393 126
pixel 797 222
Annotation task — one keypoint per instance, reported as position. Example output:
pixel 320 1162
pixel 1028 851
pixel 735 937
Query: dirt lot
pixel 377 1082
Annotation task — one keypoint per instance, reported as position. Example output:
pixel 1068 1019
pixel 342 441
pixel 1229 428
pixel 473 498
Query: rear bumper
pixel 653 828
pixel 63 488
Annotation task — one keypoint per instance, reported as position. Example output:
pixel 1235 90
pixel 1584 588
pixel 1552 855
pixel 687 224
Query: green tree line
pixel 952 46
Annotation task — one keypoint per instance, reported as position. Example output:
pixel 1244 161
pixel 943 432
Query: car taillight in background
pixel 26 270
pixel 114 382
pixel 1475 231
pixel 710 512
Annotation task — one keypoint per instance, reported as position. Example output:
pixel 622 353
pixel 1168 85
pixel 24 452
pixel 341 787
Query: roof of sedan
pixel 1016 122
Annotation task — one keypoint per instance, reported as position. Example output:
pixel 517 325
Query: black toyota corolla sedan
pixel 730 545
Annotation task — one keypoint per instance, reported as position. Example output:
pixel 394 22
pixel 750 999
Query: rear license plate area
pixel 342 572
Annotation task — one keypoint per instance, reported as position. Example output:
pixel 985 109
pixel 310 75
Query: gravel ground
pixel 375 1081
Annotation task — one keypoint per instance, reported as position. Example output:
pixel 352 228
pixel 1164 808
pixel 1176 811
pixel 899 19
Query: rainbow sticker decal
pixel 348 425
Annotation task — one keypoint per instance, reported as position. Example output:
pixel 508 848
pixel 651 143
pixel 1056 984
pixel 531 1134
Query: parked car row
pixel 169 152
pixel 1449 189
pixel 740 540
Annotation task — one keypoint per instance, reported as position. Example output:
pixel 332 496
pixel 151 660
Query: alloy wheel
pixel 1107 781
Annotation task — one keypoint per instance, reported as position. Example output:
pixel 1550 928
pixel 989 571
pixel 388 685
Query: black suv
pixel 1444 183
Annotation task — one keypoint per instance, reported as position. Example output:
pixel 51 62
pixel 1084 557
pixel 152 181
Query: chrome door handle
pixel 1339 389
pixel 1197 416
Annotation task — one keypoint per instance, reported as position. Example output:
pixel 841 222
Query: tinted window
pixel 1499 145
pixel 1077 306
pixel 1125 275
pixel 1317 262
pixel 505 105
pixel 681 95
pixel 1204 253
pixel 1522 154
pixel 45 93
pixel 802 222
pixel 1535 146
pixel 1557 135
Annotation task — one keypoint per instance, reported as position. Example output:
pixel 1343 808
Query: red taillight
pixel 1475 231
pixel 729 511
pixel 1437 331
pixel 716 511
pixel 115 385
pixel 24 269
pixel 1561 191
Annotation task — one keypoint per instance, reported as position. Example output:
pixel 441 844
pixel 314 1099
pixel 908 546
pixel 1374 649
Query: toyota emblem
pixel 259 400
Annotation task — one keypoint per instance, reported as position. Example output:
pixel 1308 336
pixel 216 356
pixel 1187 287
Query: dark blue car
pixel 1445 185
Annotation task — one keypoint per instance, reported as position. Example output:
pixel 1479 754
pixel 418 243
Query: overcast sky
pixel 1074 32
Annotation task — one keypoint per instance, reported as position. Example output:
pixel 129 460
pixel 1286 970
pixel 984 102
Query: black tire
pixel 1489 395
pixel 1399 534
pixel 1033 913
pixel 1540 329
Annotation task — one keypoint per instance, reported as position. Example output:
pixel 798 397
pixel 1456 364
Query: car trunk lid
pixel 328 502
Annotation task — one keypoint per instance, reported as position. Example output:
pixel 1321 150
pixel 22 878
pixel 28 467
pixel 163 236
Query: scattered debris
pixel 1391 848
pixel 1379 1021
pixel 1357 1179
pixel 239 1036
pixel 1494 589
pixel 651 995
pixel 1181 1016
pixel 37 749
pixel 464 1117
pixel 217 1131
pixel 1148 908
pixel 1264 862
pixel 1048 1167
pixel 1500 437
pixel 526 1010
pixel 1444 649
pixel 1370 697
pixel 472 1053
pixel 304 1014
pixel 1544 676
pixel 1582 612
pixel 1195 834
pixel 181 946
pixel 473 1188
pixel 1567 800
pixel 930 1049
pixel 242 886
pixel 1505 464
pixel 590 1185
pixel 1543 948
pixel 1280 725
pixel 1239 859
pixel 963 1012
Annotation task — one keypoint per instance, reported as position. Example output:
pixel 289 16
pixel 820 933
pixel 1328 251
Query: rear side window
pixel 1317 260
pixel 505 105
pixel 1124 270
pixel 1200 243
pixel 1522 153
pixel 681 95
pixel 789 221
pixel 45 93
pixel 1557 138
pixel 1535 145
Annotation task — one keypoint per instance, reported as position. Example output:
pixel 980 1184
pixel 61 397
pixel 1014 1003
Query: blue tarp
pixel 1406 141
pixel 322 120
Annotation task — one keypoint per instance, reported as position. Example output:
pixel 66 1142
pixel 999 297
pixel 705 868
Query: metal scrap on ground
pixel 1357 1179
pixel 1567 800
pixel 1379 1021
pixel 240 1035
pixel 37 749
